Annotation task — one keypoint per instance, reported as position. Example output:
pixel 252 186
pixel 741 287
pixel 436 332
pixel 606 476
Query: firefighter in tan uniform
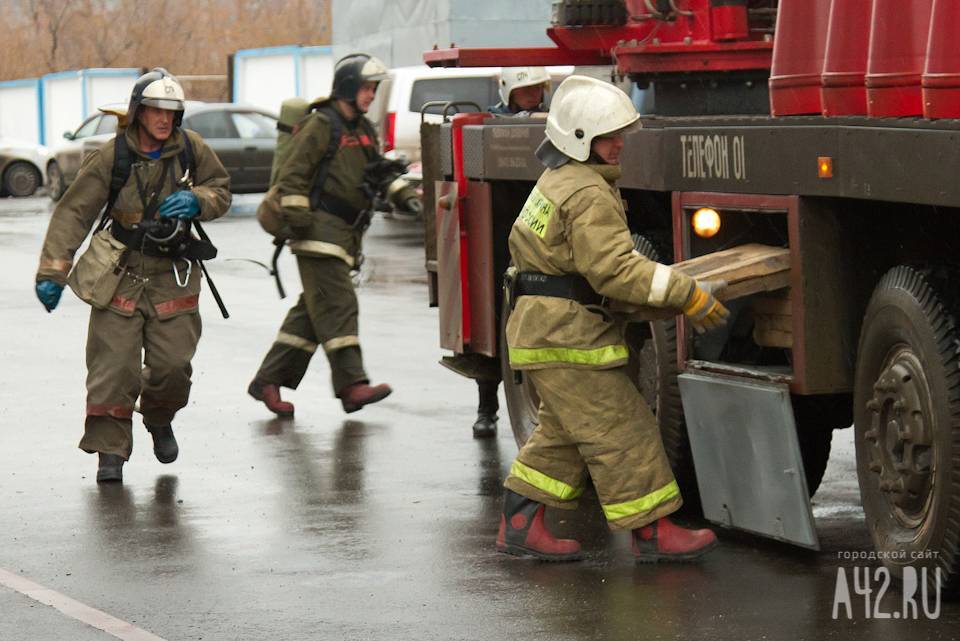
pixel 143 287
pixel 326 187
pixel 571 246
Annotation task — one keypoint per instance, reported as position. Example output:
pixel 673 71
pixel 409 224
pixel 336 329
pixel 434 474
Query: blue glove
pixel 180 204
pixel 49 294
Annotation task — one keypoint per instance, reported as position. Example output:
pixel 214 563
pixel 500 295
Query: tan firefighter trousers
pixel 116 375
pixel 595 421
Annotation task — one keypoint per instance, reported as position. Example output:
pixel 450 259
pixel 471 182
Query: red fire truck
pixel 826 128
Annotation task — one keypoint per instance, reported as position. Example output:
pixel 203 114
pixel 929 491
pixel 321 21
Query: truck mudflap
pixel 744 444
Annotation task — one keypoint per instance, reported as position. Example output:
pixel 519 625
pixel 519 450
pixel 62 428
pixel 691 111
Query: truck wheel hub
pixel 900 441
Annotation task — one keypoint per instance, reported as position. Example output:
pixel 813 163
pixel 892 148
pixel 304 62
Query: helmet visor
pixel 634 125
pixel 162 103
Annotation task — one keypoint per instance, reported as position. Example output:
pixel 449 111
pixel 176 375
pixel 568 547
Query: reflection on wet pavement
pixel 376 526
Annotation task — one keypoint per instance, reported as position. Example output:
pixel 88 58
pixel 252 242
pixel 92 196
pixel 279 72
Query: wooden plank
pixel 747 269
pixel 776 322
pixel 755 285
pixel 772 338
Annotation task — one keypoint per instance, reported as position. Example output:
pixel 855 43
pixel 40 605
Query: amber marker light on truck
pixel 706 222
pixel 825 167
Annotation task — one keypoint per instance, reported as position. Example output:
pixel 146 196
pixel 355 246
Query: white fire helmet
pixel 163 93
pixel 584 108
pixel 516 77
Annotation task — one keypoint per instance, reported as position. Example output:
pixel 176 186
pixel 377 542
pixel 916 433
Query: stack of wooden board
pixel 747 270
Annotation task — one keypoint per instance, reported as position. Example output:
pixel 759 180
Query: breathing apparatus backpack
pixel 270 212
pixel 292 111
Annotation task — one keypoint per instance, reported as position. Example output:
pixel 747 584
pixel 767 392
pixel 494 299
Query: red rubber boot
pixel 270 395
pixel 523 532
pixel 664 540
pixel 355 396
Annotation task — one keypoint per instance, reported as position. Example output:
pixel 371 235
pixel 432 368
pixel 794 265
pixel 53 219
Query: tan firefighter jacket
pixel 573 222
pixel 80 208
pixel 318 232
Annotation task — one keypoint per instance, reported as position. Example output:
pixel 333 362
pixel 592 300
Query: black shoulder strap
pixel 323 169
pixel 119 174
pixel 187 160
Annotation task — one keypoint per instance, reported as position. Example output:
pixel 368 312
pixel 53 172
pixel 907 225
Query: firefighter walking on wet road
pixel 571 247
pixel 326 186
pixel 139 273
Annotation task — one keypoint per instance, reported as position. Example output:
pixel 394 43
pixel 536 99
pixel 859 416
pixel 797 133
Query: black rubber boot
pixel 110 468
pixel 486 424
pixel 165 446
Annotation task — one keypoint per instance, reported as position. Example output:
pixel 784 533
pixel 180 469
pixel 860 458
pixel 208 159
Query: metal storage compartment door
pixel 747 459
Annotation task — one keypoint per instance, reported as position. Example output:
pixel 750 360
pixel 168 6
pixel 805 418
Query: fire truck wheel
pixel 522 399
pixel 653 368
pixel 907 422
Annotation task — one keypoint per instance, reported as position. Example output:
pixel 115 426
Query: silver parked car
pixel 22 168
pixel 243 137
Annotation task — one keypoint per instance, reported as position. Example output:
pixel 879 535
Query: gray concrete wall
pixel 399 31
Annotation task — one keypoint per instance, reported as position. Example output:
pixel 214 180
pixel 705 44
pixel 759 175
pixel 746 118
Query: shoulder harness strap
pixel 121 169
pixel 188 161
pixel 118 176
pixel 320 177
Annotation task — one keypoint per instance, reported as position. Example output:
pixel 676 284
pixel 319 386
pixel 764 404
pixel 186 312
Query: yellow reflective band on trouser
pixel 642 504
pixel 340 342
pixel 295 341
pixel 597 356
pixel 541 481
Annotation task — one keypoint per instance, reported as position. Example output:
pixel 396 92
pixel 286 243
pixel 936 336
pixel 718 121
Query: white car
pixel 400 98
pixel 22 168
pixel 411 95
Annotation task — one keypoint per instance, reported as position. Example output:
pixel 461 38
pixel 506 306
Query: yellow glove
pixel 704 311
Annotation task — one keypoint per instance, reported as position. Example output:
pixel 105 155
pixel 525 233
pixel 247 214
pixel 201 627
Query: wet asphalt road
pixel 376 526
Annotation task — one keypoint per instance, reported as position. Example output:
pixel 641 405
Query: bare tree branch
pixel 191 38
